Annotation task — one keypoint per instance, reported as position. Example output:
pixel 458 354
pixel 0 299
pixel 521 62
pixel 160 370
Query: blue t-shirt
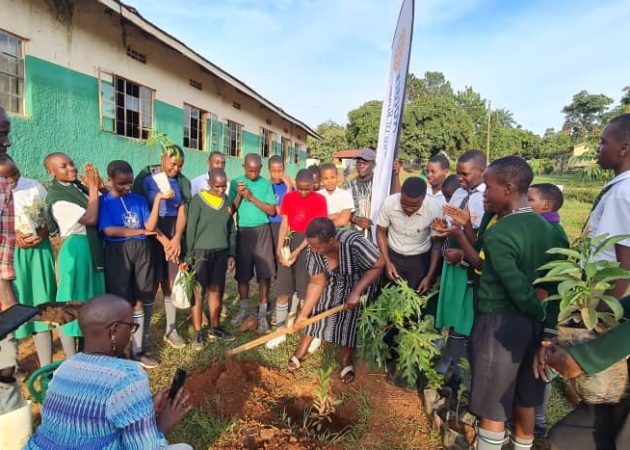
pixel 279 189
pixel 168 208
pixel 130 211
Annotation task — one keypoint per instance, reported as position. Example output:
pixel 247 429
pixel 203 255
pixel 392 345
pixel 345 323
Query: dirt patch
pixel 262 399
pixel 297 409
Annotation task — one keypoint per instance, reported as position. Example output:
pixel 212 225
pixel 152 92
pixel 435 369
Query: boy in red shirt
pixel 298 208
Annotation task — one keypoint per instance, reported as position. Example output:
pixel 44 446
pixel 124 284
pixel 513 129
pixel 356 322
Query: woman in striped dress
pixel 342 266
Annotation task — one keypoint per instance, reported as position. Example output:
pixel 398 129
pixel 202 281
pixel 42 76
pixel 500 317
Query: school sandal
pixel 347 374
pixel 294 364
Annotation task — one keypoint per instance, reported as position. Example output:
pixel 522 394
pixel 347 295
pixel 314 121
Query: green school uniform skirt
pixel 35 282
pixel 455 303
pixel 78 278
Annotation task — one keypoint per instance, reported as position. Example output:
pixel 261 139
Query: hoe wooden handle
pixel 282 331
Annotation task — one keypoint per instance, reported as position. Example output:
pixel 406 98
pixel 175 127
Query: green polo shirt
pixel 249 215
pixel 515 247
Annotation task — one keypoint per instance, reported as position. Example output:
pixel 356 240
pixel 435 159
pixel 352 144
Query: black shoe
pixel 220 333
pixel 146 360
pixel 198 341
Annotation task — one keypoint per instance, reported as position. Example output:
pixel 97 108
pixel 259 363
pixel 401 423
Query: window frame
pixel 227 139
pixel 296 155
pixel 286 151
pixel 144 129
pixel 18 77
pixel 266 141
pixel 201 127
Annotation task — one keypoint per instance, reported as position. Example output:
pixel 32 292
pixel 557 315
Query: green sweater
pixel 515 247
pixel 208 228
pixel 601 353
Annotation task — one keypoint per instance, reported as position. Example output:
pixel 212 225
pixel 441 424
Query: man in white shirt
pixel 339 201
pixel 404 235
pixel 216 160
pixel 601 425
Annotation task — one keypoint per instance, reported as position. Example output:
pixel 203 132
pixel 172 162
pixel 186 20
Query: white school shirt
pixel 200 183
pixel 67 215
pixel 437 198
pixel 338 201
pixel 612 214
pixel 26 192
pixel 408 235
pixel 475 203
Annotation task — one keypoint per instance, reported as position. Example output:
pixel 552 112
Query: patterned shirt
pixel 7 232
pixel 98 402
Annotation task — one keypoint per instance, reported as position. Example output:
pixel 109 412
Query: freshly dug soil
pixel 258 397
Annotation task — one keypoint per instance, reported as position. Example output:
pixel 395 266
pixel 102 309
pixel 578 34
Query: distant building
pixel 96 80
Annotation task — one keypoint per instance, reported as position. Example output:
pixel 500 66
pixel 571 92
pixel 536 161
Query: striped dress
pixel 98 402
pixel 356 255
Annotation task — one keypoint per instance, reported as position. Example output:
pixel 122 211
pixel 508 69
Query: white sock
pixel 171 313
pixel 490 440
pixel 281 315
pixel 136 338
pixel 521 444
pixel 262 310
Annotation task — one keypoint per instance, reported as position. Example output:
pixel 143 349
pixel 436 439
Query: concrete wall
pixel 64 56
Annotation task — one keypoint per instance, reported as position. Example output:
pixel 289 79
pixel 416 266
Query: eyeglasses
pixel 133 327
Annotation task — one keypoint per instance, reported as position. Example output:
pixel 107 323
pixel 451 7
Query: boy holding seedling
pixel 298 209
pixel 211 243
pixel 606 425
pixel 509 324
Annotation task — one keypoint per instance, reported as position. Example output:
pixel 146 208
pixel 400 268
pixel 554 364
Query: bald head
pixel 48 160
pixel 102 311
pixel 252 159
pixel 620 125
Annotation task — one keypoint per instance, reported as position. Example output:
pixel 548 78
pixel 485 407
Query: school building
pixel 96 80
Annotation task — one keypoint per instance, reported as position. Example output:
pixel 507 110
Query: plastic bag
pixel 179 294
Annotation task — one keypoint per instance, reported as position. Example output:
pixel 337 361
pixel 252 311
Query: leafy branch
pixel 399 307
pixel 583 280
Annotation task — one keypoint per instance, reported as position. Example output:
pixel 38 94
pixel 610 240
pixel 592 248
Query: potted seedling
pixel 587 311
pixel 31 218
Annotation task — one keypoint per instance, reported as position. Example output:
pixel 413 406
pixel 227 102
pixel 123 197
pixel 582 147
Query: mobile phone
pixel 178 381
pixel 13 317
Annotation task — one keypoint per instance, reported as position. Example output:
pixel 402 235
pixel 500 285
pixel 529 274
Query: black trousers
pixel 593 427
pixel 412 269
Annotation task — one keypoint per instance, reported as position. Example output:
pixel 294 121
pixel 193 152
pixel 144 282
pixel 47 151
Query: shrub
pixel 400 308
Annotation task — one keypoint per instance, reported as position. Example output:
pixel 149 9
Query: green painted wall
pixel 62 108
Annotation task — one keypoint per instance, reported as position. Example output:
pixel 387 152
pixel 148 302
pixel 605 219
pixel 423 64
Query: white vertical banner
pixel 392 113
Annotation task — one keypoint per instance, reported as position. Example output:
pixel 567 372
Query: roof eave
pixel 134 17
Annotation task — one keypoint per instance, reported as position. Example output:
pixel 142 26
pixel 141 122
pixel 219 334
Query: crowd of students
pixel 481 234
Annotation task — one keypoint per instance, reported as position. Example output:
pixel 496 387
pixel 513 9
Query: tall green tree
pixel 363 123
pixel 554 143
pixel 333 139
pixel 585 115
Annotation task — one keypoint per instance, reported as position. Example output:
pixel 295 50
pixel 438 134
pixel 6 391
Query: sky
pixel 319 59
